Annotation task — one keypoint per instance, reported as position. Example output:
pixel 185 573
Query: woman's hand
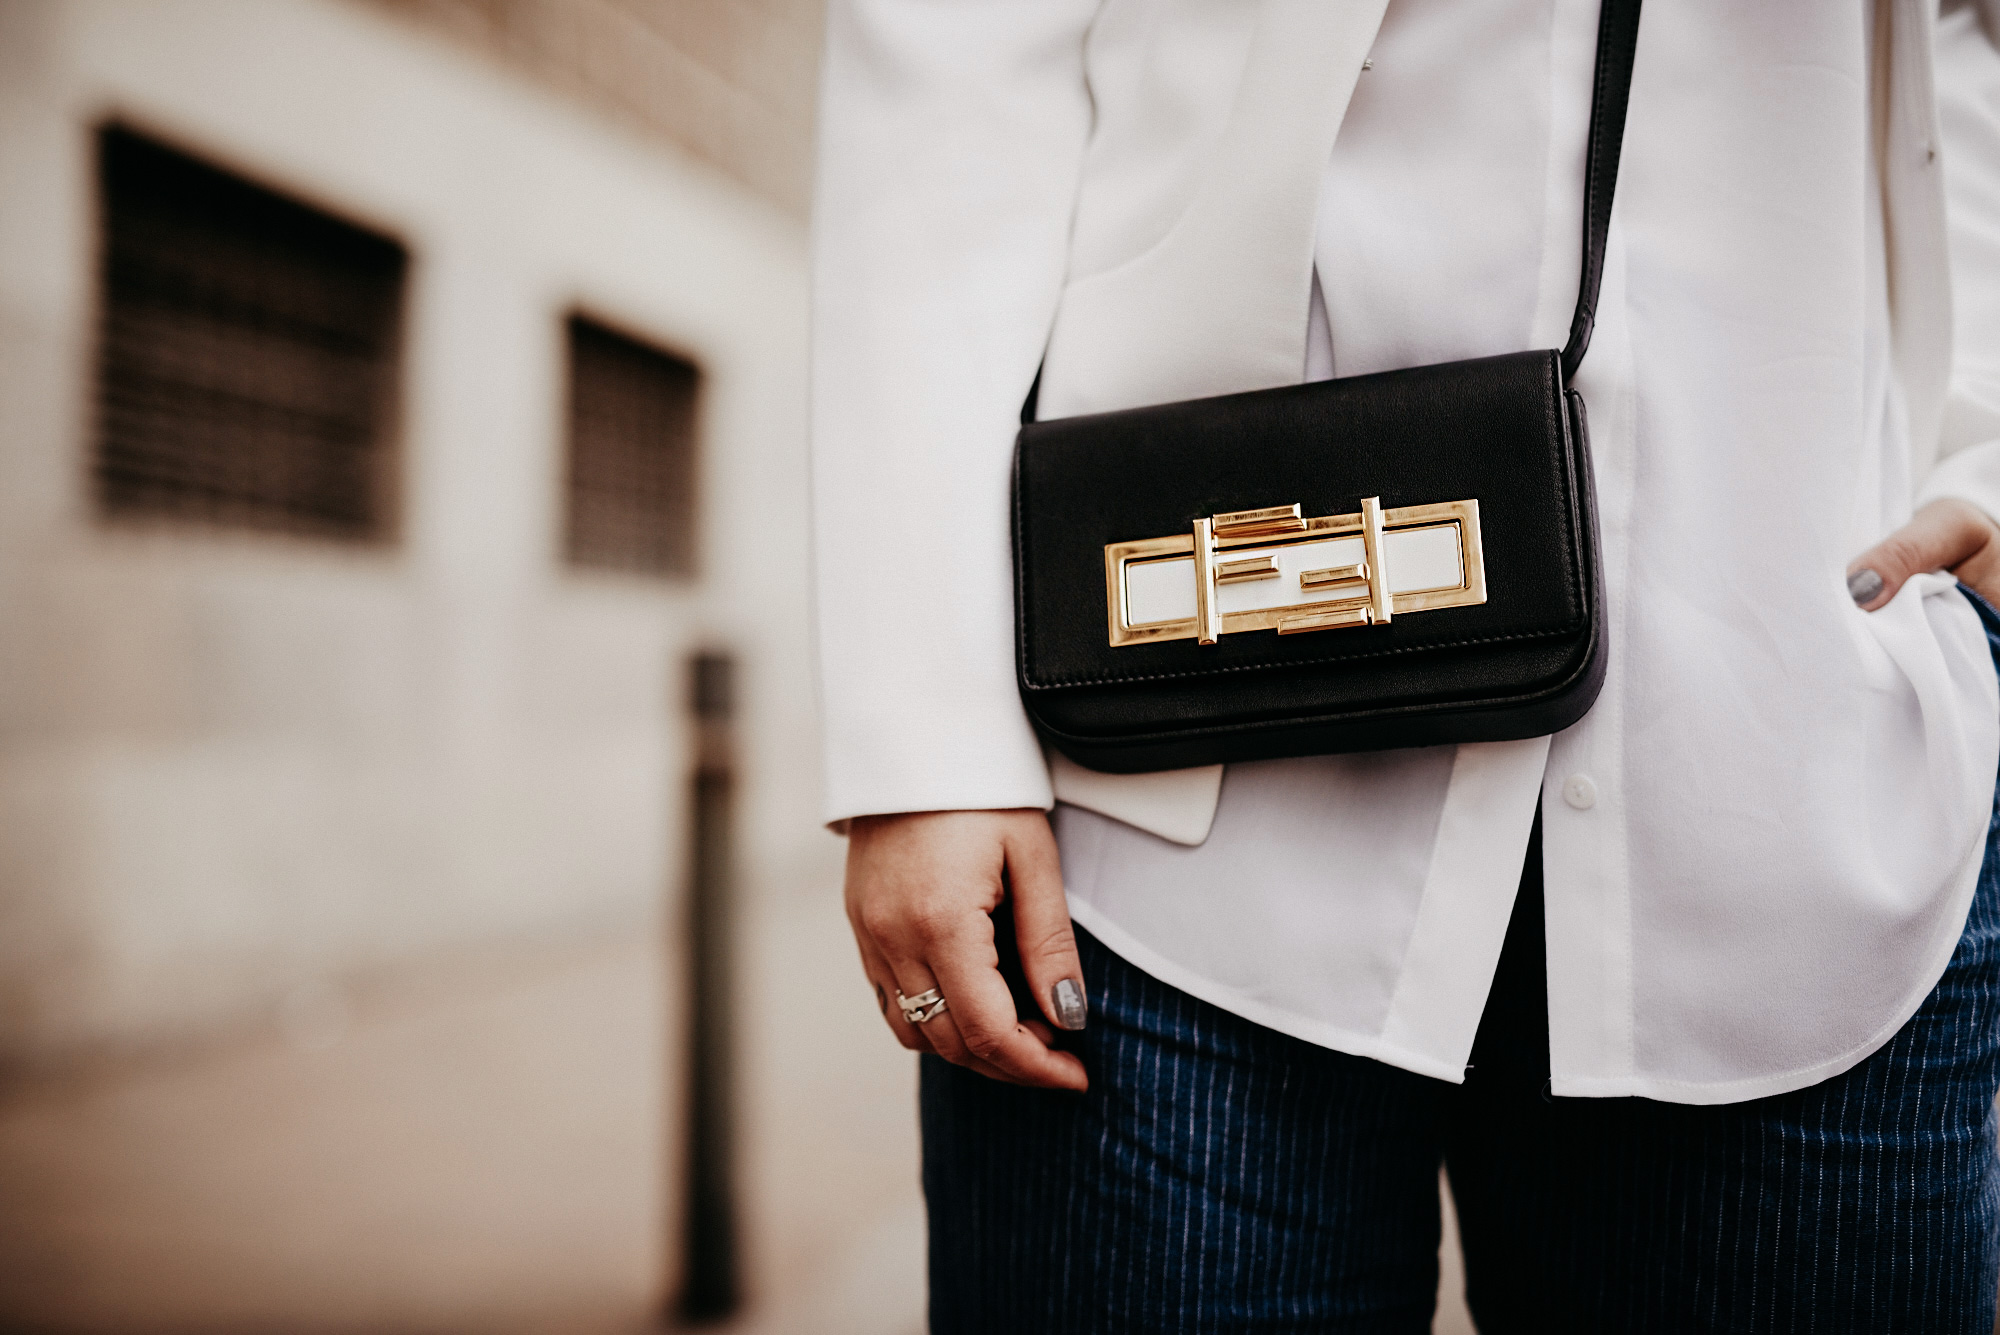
pixel 920 889
pixel 1950 535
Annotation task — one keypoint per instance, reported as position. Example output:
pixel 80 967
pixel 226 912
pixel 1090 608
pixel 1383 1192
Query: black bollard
pixel 711 1288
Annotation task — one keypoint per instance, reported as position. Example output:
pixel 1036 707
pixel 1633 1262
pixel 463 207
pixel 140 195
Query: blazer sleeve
pixel 1968 91
pixel 951 136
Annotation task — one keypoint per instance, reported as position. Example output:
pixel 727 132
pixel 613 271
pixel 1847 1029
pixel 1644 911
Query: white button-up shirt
pixel 1760 844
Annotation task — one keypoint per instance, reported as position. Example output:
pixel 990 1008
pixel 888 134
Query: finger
pixel 902 974
pixel 883 979
pixel 1981 570
pixel 939 1032
pixel 967 968
pixel 1941 536
pixel 1042 927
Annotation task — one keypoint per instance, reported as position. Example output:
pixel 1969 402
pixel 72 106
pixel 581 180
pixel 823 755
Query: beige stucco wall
pixel 730 81
pixel 232 765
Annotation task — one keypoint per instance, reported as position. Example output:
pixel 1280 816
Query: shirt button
pixel 1580 791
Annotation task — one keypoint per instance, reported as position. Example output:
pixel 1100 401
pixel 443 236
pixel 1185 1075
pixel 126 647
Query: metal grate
pixel 631 453
pixel 247 352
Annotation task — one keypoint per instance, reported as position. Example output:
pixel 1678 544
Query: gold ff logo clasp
pixel 1367 603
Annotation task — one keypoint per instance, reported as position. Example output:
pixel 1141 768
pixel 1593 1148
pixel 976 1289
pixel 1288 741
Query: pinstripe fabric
pixel 1223 1177
pixel 1210 1180
pixel 1869 1202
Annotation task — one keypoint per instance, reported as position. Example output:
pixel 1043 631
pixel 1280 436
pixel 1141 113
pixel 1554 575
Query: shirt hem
pixel 1665 1089
pixel 1662 1089
pixel 1316 1032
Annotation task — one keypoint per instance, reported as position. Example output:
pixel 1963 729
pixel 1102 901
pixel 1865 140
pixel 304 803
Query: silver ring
pixel 923 1007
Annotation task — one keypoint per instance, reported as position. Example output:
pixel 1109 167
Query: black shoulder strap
pixel 1617 39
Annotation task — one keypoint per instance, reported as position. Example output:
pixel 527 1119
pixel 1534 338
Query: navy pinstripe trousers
pixel 1220 1176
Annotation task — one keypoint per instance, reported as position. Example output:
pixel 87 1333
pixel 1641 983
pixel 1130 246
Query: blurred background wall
pixel 393 395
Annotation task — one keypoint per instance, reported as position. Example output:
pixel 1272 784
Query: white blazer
pixel 1125 192
pixel 958 165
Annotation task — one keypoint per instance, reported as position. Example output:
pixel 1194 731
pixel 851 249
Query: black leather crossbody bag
pixel 1381 561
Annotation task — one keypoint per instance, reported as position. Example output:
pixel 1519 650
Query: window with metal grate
pixel 248 352
pixel 632 420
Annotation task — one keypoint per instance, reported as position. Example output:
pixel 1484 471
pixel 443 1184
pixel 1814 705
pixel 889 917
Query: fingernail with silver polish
pixel 1070 1010
pixel 1864 586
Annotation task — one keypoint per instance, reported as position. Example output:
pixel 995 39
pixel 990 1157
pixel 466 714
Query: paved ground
pixel 477 1148
pixel 479 1152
